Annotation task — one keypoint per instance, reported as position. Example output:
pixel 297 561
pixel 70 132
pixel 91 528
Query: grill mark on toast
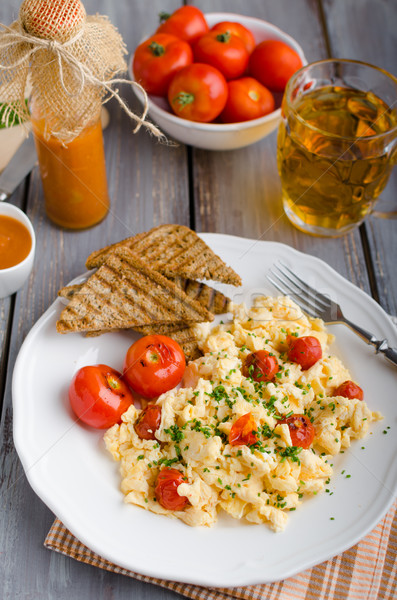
pixel 138 283
pixel 173 250
pixel 186 338
pixel 139 302
pixel 211 299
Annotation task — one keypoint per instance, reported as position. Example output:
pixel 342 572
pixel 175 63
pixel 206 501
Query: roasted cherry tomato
pixel 272 63
pixel 187 23
pixel 242 32
pixel 224 51
pixel 153 365
pixel 198 92
pixel 260 365
pixel 305 351
pixel 98 396
pixel 243 431
pixel 247 99
pixel 166 490
pixel 148 422
pixel 301 430
pixel 349 389
pixel 157 60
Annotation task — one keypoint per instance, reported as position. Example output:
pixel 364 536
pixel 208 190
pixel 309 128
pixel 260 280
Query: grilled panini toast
pixel 188 342
pixel 211 299
pixel 124 293
pixel 173 250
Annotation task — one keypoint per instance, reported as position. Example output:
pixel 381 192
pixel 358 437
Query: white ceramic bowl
pixel 214 136
pixel 13 278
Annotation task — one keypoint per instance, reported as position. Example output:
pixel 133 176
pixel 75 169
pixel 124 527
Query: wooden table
pixel 235 192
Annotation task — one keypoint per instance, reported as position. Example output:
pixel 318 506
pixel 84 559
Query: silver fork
pixel 318 305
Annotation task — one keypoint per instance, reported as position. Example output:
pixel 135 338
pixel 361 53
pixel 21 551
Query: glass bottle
pixel 73 173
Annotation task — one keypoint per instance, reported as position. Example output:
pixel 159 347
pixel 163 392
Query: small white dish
pixel 13 278
pixel 221 136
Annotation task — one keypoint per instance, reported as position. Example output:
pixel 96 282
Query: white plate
pixel 68 467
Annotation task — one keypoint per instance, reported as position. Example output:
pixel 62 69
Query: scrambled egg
pixel 263 482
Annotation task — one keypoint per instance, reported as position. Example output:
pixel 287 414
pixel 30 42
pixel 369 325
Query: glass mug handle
pixel 391 214
pixel 387 214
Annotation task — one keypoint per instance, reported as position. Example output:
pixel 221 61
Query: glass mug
pixel 337 144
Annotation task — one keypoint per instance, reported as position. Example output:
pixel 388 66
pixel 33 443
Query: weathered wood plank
pixel 239 192
pixel 7 305
pixel 349 23
pixel 148 185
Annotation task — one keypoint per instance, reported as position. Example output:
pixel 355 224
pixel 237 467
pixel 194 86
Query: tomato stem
pixel 154 357
pixel 224 38
pixel 163 16
pixel 253 95
pixel 156 49
pixel 184 98
pixel 113 383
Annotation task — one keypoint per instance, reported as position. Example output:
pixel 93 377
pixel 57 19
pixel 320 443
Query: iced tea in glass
pixel 337 144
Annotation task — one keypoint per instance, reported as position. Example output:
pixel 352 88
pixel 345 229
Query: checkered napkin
pixel 368 571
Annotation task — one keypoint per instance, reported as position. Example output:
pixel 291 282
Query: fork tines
pixel 289 284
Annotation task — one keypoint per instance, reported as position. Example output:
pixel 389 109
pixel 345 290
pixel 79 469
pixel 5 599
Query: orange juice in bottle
pixel 73 175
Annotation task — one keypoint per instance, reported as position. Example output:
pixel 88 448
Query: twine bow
pixel 18 48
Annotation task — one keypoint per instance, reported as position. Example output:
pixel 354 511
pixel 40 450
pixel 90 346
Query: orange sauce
pixel 73 177
pixel 15 242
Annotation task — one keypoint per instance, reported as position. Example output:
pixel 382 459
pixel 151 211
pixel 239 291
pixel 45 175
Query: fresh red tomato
pixel 260 365
pixel 349 389
pixel 157 60
pixel 98 396
pixel 238 29
pixel 243 431
pixel 301 430
pixel 224 51
pixel 187 23
pixel 272 63
pixel 198 92
pixel 305 351
pixel 153 365
pixel 166 490
pixel 247 99
pixel 148 422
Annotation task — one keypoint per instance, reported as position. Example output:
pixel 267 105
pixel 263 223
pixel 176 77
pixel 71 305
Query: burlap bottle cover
pixel 72 62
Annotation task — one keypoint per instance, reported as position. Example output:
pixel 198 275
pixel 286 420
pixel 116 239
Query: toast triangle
pixel 124 293
pixel 173 250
